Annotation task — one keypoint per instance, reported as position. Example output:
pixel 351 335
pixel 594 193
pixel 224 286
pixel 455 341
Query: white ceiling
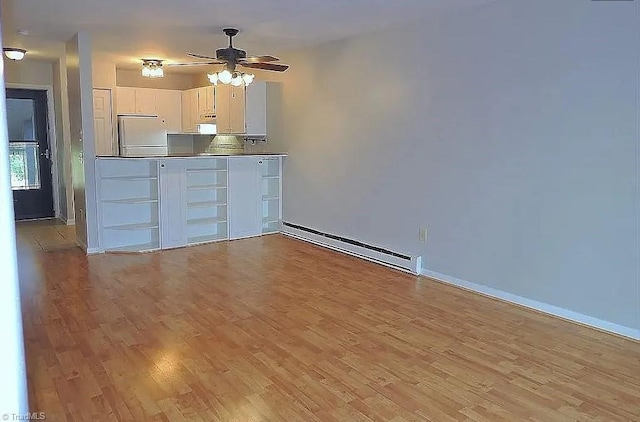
pixel 128 30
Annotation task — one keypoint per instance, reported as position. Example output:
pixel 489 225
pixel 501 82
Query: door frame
pixel 53 142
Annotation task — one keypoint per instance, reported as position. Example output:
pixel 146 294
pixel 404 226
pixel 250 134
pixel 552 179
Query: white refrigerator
pixel 142 136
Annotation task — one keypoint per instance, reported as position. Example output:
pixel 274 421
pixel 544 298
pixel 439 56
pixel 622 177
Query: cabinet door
pixel 186 111
pixel 169 109
pixel 173 204
pixel 146 101
pixel 256 108
pixel 194 115
pixel 125 100
pixel 223 108
pixel 244 196
pixel 237 106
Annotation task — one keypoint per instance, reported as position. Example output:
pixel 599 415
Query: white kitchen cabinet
pixel 169 105
pixel 146 101
pixel 193 205
pixel 230 109
pixel 271 194
pixel 128 198
pixel 256 109
pixel 206 103
pixel 245 198
pixel 173 206
pixel 125 100
pixel 141 101
pixel 206 200
pixel 161 203
pixel 190 110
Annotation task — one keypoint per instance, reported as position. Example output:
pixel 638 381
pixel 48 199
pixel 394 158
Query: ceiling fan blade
pixel 192 64
pixel 258 59
pixel 200 56
pixel 266 66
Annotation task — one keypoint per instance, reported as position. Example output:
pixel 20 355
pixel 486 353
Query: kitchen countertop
pixel 198 155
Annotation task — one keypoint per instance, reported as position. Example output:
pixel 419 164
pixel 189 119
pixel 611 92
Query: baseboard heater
pixel 401 261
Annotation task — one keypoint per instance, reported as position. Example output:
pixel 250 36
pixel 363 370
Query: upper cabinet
pixel 256 109
pixel 230 109
pixel 206 103
pixel 189 110
pixel 198 106
pixel 125 100
pixel 169 104
pixel 136 101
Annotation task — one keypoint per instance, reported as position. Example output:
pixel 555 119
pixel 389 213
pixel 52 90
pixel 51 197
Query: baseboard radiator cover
pixel 398 260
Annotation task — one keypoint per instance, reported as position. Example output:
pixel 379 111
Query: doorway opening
pixel 30 154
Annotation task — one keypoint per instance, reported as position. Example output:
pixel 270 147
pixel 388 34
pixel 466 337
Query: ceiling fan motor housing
pixel 230 54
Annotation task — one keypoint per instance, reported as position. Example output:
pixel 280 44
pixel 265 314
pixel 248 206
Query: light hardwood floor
pixel 274 329
pixel 46 235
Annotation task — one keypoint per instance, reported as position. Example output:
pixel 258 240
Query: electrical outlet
pixel 422 234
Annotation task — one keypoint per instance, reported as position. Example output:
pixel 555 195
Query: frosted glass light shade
pixel 14 53
pixel 225 76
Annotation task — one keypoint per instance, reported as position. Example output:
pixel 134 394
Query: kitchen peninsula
pixel 162 202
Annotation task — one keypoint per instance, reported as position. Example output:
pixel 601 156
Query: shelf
pixel 137 226
pixel 206 239
pixel 129 178
pixel 267 176
pixel 135 248
pixel 203 221
pixel 206 187
pixel 205 170
pixel 270 198
pixel 131 201
pixel 205 204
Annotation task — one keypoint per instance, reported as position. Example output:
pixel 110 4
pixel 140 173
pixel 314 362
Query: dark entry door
pixel 29 153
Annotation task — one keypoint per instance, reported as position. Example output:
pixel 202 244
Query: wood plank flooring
pixel 274 329
pixel 47 235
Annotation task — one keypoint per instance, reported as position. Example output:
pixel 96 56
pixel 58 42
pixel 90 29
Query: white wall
pixel 80 90
pixel 13 387
pixel 134 78
pixel 29 71
pixel 509 131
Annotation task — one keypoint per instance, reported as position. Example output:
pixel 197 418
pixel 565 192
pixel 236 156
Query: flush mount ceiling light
pixel 234 78
pixel 152 68
pixel 14 53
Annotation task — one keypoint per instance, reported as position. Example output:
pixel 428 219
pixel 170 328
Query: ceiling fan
pixel 232 57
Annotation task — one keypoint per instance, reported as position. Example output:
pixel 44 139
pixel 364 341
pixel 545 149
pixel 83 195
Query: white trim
pixel 412 266
pixel 87 251
pixel 53 142
pixel 69 221
pixel 535 305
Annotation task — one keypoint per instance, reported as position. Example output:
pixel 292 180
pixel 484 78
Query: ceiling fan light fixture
pixel 14 53
pixel 213 78
pixel 152 68
pixel 247 78
pixel 225 76
pixel 237 79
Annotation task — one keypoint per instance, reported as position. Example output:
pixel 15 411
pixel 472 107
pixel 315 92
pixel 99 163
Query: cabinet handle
pixel 162 165
pixel 260 162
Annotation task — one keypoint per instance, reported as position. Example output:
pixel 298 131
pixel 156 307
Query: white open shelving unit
pixel 207 181
pixel 271 195
pixel 128 211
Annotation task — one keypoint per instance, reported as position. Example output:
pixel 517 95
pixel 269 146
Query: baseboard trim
pixel 70 221
pixel 321 242
pixel 546 308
